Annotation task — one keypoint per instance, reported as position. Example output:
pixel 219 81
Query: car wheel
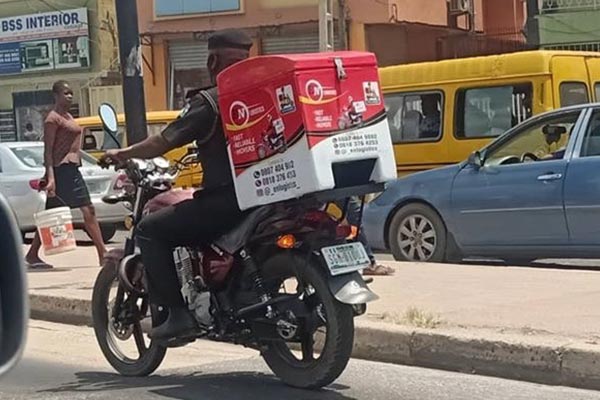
pixel 417 233
pixel 107 230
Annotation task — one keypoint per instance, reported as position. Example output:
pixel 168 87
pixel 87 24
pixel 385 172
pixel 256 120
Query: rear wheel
pixel 122 336
pixel 320 352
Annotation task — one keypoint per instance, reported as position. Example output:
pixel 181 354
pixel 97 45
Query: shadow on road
pixel 230 386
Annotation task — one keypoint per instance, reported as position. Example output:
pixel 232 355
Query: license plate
pixel 345 258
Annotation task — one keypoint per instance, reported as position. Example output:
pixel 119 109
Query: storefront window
pixel 170 8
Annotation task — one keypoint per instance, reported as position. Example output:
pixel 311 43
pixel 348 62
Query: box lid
pixel 253 71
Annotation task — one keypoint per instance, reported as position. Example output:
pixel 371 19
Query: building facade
pixel 174 33
pixel 45 41
pixel 569 24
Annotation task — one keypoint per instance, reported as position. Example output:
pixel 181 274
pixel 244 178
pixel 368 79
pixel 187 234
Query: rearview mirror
pixel 554 130
pixel 475 160
pixel 109 117
pixel 14 310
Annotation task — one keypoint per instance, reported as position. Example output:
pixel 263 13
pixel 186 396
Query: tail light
pixel 36 184
pixel 121 182
pixel 343 231
pixel 317 219
pixel 286 241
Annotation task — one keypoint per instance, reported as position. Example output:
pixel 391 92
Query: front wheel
pixel 325 339
pixel 120 335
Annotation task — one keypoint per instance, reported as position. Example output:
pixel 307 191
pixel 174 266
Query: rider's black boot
pixel 180 324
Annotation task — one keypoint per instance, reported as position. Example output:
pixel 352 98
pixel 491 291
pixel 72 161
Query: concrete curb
pixel 543 361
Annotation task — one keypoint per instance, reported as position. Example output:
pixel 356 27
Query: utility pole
pixel 326 39
pixel 532 28
pixel 130 54
pixel 342 25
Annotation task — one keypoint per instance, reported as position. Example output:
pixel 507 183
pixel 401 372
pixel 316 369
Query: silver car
pixel 21 168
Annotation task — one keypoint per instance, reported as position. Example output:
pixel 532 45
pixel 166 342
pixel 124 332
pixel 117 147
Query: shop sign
pixel 44 41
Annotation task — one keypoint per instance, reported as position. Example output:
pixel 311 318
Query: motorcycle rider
pixel 213 210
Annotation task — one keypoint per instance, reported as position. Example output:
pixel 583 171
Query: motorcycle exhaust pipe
pixel 257 307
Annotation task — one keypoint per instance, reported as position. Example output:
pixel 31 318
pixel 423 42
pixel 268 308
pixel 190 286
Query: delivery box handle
pixel 339 66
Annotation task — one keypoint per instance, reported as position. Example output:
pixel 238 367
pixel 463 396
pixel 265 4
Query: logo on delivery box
pixel 240 115
pixel 315 93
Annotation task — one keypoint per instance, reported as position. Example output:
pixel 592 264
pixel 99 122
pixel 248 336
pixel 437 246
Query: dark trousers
pixel 192 222
pixel 354 218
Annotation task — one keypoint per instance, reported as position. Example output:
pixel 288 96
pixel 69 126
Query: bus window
pixel 415 117
pixel 491 111
pixel 573 93
pixel 597 91
pixel 101 141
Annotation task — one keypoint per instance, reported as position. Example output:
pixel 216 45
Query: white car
pixel 21 168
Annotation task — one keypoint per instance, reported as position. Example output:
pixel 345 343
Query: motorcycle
pixel 285 282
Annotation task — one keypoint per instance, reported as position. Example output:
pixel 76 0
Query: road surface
pixel 63 362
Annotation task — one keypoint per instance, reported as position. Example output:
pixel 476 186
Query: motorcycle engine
pixel 194 291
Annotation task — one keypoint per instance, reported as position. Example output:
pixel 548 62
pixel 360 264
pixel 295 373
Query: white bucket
pixel 55 227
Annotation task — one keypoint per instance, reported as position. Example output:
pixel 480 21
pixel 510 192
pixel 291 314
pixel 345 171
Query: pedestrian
pixel 64 184
pixel 353 216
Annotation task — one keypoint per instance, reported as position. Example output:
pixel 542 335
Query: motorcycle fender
pixel 351 289
pixel 113 258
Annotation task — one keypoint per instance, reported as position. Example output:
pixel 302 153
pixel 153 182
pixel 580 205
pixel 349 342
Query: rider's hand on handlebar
pixel 112 157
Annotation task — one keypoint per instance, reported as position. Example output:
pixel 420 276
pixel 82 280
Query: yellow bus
pixel 96 142
pixel 439 112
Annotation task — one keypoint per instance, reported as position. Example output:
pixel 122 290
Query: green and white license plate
pixel 345 258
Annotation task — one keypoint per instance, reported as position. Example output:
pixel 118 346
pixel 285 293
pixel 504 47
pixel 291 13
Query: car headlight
pixel 372 196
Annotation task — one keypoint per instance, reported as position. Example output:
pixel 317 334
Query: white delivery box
pixel 299 124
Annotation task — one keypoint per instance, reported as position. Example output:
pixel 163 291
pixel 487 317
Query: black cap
pixel 229 39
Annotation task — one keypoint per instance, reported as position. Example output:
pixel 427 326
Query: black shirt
pixel 200 122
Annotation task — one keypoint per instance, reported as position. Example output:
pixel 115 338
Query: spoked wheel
pixel 316 344
pixel 121 322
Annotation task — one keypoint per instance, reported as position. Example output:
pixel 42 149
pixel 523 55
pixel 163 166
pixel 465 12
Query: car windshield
pixel 33 156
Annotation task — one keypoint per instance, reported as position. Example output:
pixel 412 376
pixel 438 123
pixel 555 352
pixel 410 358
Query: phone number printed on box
pixel 274 179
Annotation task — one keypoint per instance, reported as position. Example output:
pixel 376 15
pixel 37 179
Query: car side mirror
pixel 476 160
pixel 14 308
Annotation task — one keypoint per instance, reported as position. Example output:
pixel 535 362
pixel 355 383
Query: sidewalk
pixel 535 324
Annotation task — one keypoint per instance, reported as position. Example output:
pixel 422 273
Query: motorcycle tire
pixel 340 328
pixel 155 353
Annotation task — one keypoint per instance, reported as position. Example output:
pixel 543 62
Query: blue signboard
pixel 10 58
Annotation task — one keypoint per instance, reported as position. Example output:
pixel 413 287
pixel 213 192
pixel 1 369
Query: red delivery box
pixel 305 123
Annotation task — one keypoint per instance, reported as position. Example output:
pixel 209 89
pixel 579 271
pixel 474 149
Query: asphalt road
pixel 63 362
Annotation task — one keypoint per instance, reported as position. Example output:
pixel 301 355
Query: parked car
pixel 521 198
pixel 22 167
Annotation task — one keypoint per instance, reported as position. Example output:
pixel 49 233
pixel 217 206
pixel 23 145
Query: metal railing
pixel 589 46
pixel 552 6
